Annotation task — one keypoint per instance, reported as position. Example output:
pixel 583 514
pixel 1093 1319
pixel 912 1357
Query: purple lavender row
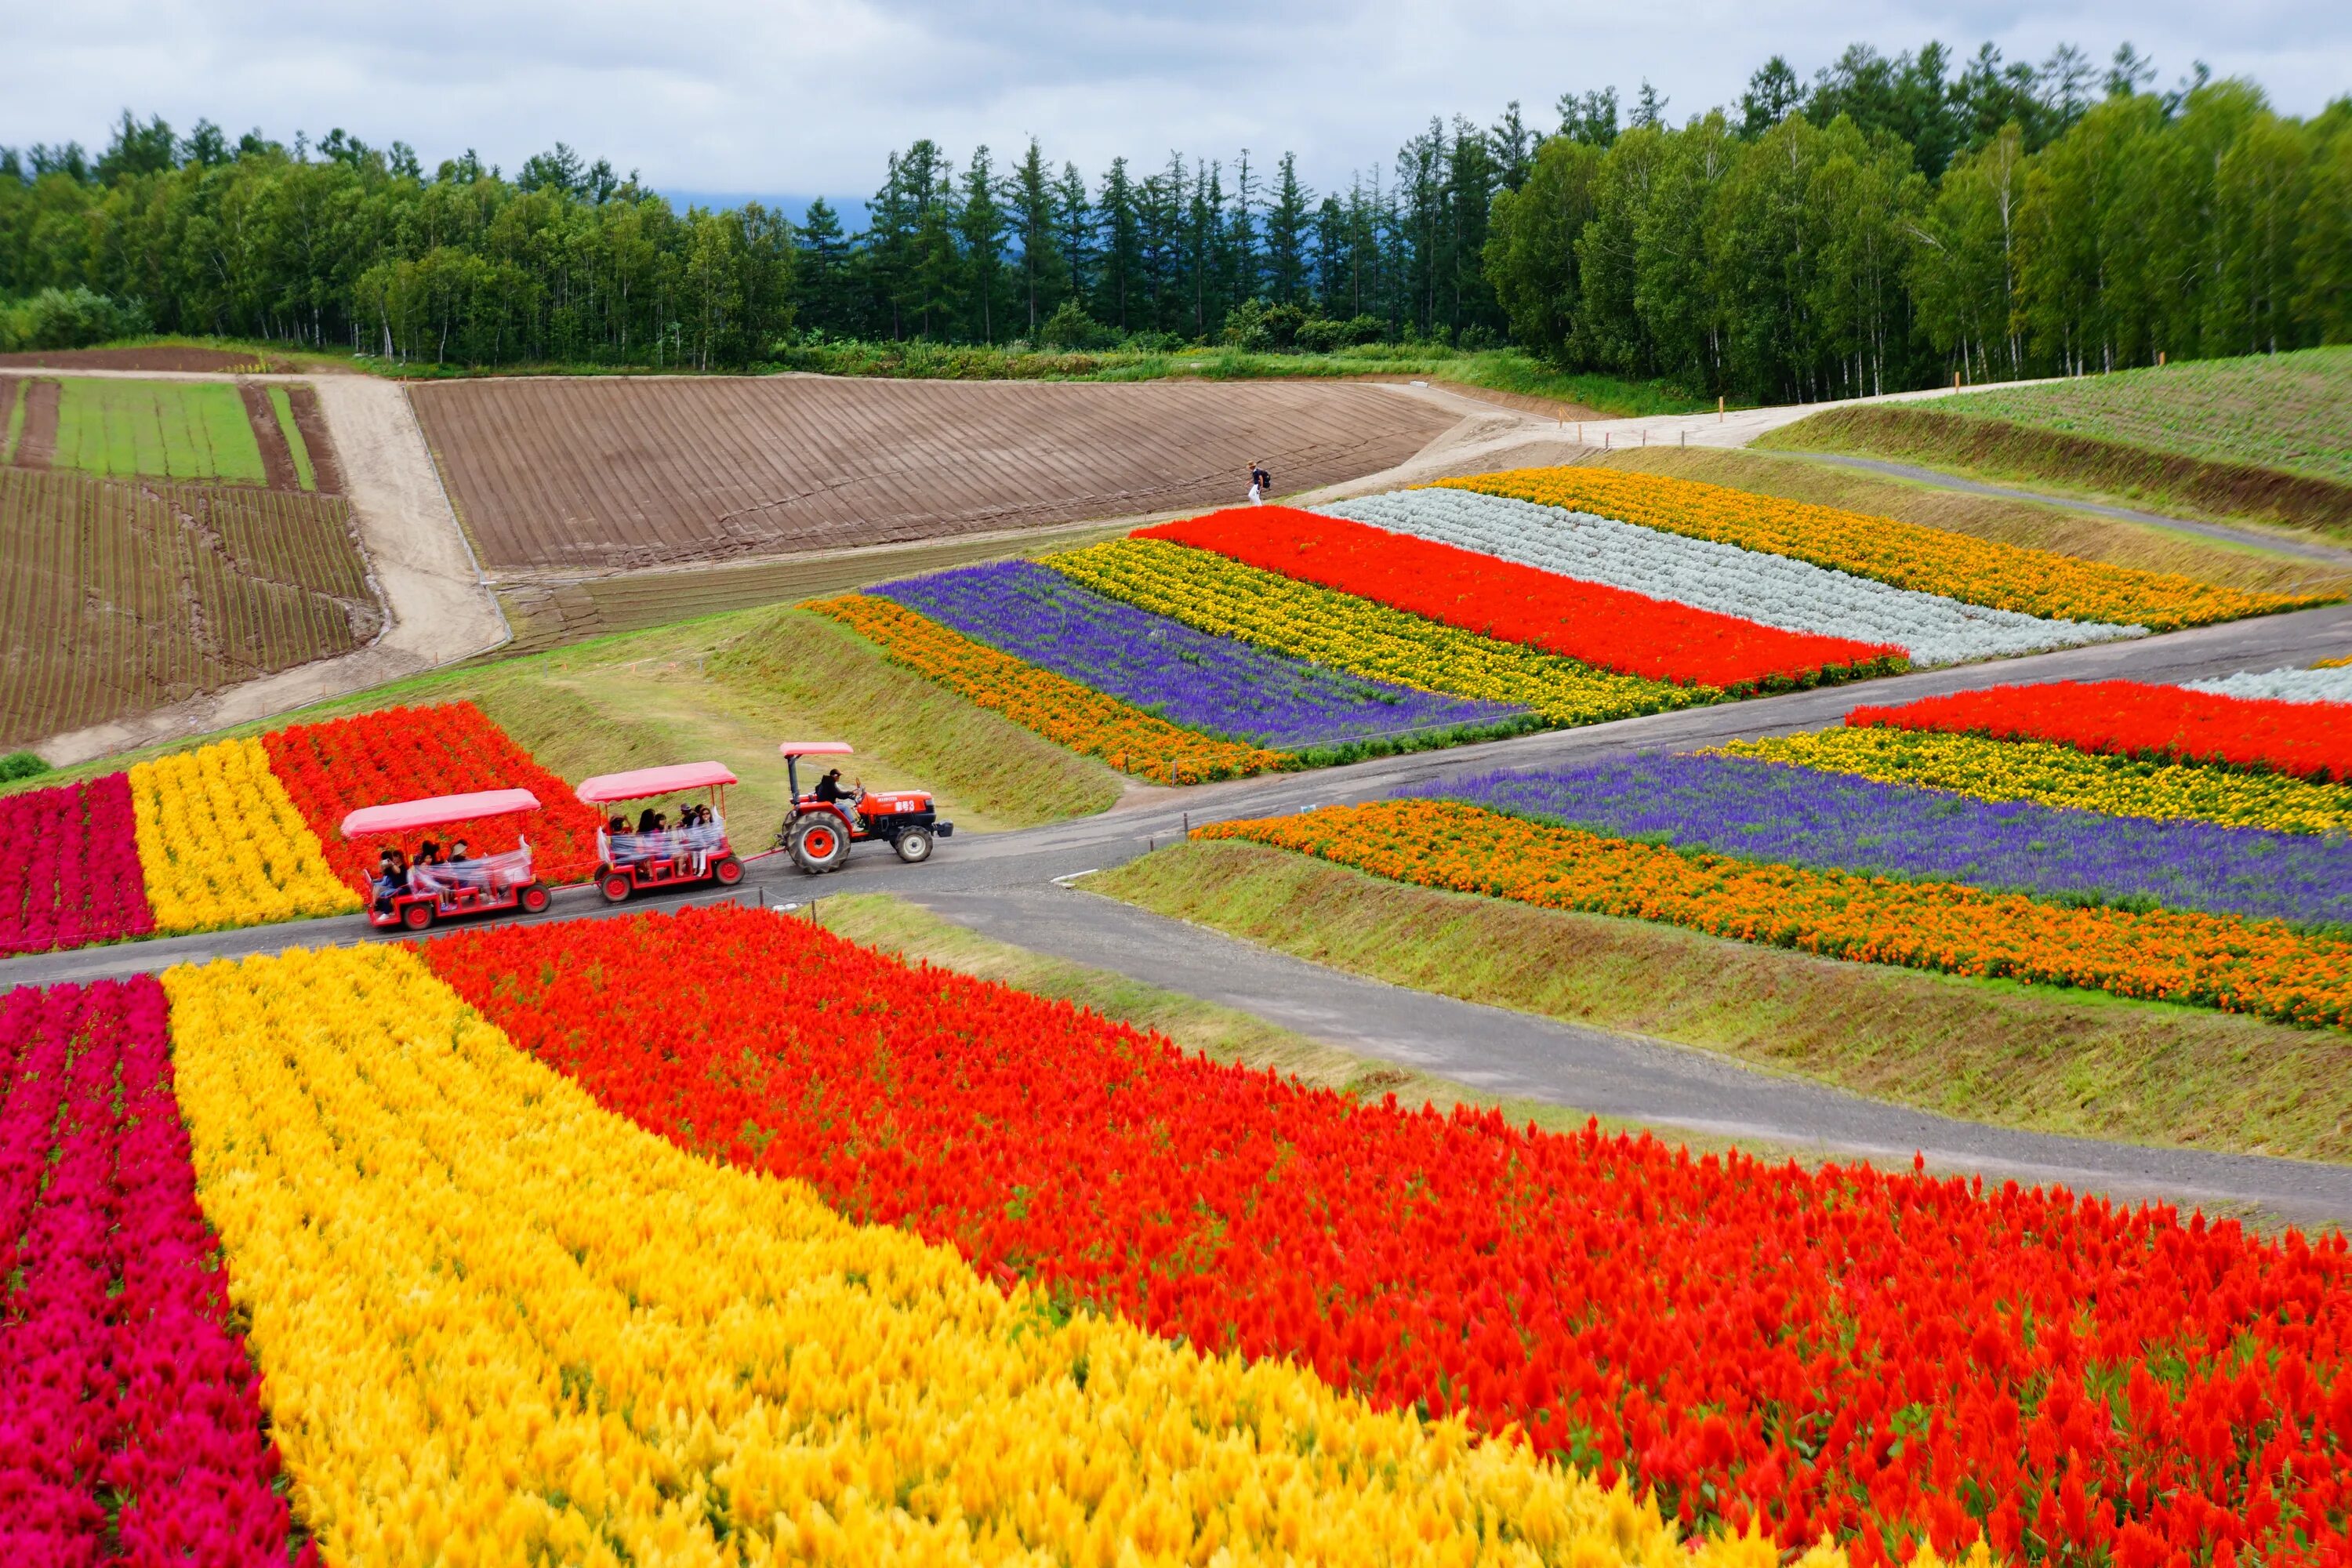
pixel 1185 676
pixel 1770 811
pixel 120 1381
pixel 69 869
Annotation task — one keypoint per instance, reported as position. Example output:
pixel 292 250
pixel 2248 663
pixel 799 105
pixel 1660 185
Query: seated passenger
pixel 424 872
pixel 649 820
pixel 392 878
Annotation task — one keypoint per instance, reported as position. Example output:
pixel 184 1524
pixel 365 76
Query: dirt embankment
pixel 37 433
pixel 2001 448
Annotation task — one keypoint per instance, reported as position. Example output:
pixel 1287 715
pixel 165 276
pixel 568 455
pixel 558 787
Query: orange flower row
pixel 1056 707
pixel 2238 965
pixel 1906 554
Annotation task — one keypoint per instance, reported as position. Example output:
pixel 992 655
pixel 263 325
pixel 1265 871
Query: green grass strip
pixel 20 392
pixel 282 405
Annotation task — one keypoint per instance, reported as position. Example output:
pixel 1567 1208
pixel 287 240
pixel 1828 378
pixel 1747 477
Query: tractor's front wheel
pixel 819 842
pixel 914 844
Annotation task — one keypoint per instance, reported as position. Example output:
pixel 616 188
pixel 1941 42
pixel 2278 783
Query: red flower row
pixel 1879 1356
pixel 69 870
pixel 2171 723
pixel 331 768
pixel 1627 632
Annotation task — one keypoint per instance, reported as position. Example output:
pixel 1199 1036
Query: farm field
pixel 2266 437
pixel 120 597
pixel 554 475
pixel 163 429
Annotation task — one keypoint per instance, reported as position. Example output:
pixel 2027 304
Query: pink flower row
pixel 69 870
pixel 121 1386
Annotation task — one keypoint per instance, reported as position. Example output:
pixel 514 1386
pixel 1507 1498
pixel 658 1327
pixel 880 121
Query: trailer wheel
pixel 914 844
pixel 818 842
pixel 728 869
pixel 416 916
pixel 534 897
pixel 616 888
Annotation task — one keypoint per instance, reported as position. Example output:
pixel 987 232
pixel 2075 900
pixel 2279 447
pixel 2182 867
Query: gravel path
pixel 1003 886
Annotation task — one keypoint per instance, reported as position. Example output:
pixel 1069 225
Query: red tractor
pixel 657 854
pixel 417 894
pixel 822 824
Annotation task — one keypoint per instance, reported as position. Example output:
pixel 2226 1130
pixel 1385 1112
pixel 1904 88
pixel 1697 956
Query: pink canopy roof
pixel 815 748
pixel 403 815
pixel 639 782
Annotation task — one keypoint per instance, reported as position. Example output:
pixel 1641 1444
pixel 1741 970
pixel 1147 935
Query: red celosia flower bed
pixel 2308 739
pixel 1602 626
pixel 401 753
pixel 1843 1350
pixel 69 869
pixel 131 1427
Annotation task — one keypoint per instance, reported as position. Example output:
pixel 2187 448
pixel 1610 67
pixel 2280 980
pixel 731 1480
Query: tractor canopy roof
pixel 434 810
pixel 639 782
pixel 815 748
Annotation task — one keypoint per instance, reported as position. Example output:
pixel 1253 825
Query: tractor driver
pixel 830 789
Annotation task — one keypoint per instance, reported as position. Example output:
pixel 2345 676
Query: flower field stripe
pixel 1761 811
pixel 498 1323
pixel 222 844
pixel 2239 965
pixel 2330 682
pixel 1223 597
pixel 1217 685
pixel 1595 625
pixel 2134 718
pixel 332 767
pixel 1750 1340
pixel 1906 554
pixel 1775 590
pixel 130 1424
pixel 1054 705
pixel 70 868
pixel 2062 776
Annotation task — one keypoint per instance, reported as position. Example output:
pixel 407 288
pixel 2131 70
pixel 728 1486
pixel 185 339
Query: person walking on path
pixel 1260 482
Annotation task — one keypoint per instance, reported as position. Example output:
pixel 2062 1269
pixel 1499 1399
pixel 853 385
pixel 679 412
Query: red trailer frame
pixel 417 909
pixel 703 863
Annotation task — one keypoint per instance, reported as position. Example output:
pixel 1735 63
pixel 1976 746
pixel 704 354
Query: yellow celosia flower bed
pixel 1225 597
pixel 222 844
pixel 498 1324
pixel 1907 554
pixel 2061 775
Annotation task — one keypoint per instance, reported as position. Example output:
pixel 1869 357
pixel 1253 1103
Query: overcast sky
pixel 802 97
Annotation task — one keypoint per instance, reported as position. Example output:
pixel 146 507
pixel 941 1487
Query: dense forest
pixel 1889 223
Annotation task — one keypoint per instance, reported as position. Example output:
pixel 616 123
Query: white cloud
pixel 801 96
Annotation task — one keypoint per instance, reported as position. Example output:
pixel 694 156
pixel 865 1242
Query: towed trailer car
pixel 674 856
pixel 476 886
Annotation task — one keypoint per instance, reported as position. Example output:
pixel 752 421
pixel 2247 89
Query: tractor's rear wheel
pixel 914 844
pixel 819 842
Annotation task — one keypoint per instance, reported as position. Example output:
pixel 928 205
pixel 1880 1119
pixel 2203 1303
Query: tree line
pixel 1892 222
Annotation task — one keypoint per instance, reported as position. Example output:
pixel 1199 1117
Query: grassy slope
pixel 282 404
pixel 1223 1034
pixel 2043 1059
pixel 2079 534
pixel 730 687
pixel 163 429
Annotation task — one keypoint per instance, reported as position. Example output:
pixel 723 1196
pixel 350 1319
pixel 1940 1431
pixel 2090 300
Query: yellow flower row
pixel 2061 775
pixel 1907 554
pixel 1227 599
pixel 222 844
pixel 1054 705
pixel 498 1324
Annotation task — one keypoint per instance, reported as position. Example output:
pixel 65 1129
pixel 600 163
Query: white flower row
pixel 1793 595
pixel 2282 685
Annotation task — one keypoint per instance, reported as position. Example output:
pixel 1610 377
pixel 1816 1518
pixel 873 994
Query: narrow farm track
pixel 1002 886
pixel 622 473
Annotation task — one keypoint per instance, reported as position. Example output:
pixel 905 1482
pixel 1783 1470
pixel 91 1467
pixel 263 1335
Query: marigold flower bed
pixel 2134 718
pixel 1907 554
pixel 1585 621
pixel 2256 966
pixel 1841 1350
pixel 2063 776
pixel 130 1424
pixel 70 869
pixel 223 844
pixel 498 1323
pixel 1218 595
pixel 1054 705
pixel 401 753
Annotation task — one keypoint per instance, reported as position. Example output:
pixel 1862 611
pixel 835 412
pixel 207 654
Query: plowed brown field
pixel 617 473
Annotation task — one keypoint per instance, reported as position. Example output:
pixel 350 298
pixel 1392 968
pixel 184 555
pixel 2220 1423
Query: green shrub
pixel 21 765
pixel 72 318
